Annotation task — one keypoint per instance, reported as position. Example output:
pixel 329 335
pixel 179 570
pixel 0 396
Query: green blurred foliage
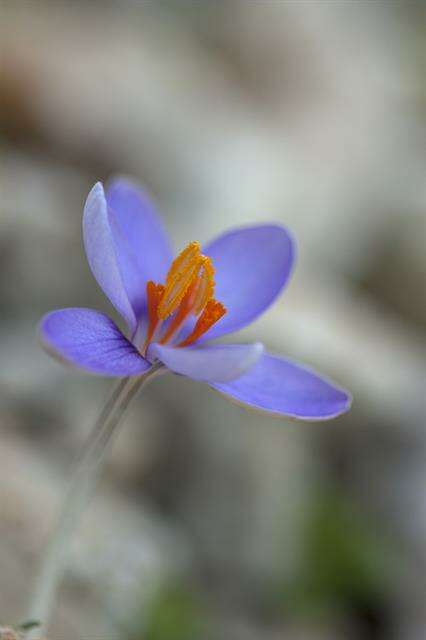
pixel 175 614
pixel 347 565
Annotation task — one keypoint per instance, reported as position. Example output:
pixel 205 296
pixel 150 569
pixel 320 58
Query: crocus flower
pixel 175 307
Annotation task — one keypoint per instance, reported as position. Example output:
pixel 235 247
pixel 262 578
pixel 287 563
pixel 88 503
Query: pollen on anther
pixel 213 312
pixel 154 293
pixel 205 285
pixel 182 273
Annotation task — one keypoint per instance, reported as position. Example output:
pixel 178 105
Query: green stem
pixel 80 489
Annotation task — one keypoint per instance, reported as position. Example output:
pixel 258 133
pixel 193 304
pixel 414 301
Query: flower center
pixel 188 290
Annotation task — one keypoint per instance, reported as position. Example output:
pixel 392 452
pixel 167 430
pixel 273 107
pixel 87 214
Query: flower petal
pixel 287 388
pixel 91 341
pixel 143 248
pixel 252 264
pixel 101 253
pixel 216 363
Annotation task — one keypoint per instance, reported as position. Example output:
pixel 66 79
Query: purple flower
pixel 173 308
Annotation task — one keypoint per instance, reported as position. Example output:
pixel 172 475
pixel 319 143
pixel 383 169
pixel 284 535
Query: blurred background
pixel 211 522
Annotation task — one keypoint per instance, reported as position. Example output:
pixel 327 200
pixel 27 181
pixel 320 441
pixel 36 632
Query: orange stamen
pixel 154 293
pixel 184 310
pixel 206 284
pixel 181 274
pixel 213 312
pixel 198 294
pixel 189 289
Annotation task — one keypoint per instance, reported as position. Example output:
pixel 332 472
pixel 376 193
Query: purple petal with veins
pixel 89 340
pixel 142 245
pixel 252 266
pixel 101 253
pixel 286 388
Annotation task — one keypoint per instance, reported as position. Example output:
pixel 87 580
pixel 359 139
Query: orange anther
pixel 181 274
pixel 189 289
pixel 205 285
pixel 213 312
pixel 182 313
pixel 154 293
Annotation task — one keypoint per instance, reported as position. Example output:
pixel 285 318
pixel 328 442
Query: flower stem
pixel 80 489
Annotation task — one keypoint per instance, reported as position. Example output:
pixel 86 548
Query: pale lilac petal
pixel 213 363
pixel 143 248
pixel 91 341
pixel 286 388
pixel 252 264
pixel 102 255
